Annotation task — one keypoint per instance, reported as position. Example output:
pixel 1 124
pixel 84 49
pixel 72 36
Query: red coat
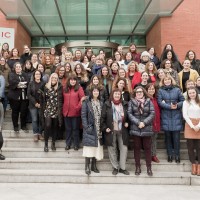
pixel 156 121
pixel 72 102
pixel 136 79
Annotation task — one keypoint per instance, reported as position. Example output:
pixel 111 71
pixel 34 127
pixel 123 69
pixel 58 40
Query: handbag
pixel 190 133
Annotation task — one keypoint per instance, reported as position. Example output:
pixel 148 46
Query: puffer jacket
pixel 88 121
pixel 171 120
pixel 136 117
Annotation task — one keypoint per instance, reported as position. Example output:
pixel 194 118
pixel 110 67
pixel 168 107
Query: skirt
pixel 96 152
pixel 189 133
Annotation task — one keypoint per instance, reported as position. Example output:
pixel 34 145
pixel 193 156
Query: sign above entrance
pixel 7 35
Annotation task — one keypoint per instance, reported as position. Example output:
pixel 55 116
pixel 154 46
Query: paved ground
pixel 24 191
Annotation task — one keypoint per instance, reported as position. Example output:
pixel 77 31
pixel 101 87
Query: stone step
pixel 61 153
pixel 29 143
pixel 79 164
pixel 105 177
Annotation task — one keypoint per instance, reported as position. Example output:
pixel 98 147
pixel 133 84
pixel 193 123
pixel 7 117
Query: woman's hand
pixel 173 106
pixel 108 130
pixel 126 124
pixel 141 125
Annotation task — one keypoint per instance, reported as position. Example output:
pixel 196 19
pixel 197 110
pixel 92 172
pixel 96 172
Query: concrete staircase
pixel 26 162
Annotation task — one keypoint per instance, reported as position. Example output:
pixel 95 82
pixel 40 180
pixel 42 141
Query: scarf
pixel 116 102
pixel 140 103
pixel 118 115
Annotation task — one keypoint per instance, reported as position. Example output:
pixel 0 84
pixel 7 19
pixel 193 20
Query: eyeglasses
pixel 139 91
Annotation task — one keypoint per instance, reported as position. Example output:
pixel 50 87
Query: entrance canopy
pixel 88 19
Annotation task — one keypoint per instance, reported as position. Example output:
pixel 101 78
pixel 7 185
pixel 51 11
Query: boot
pixel 53 148
pixel 198 170
pixel 194 169
pixel 137 170
pixel 149 171
pixel 94 165
pixel 87 166
pixel 46 149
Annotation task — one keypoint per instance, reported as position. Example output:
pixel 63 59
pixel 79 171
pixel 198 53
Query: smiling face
pixel 78 69
pixel 37 75
pixel 95 93
pixel 139 93
pixel 117 96
pixel 186 65
pixel 169 55
pixel 151 90
pixel 61 72
pixel 122 73
pixel 95 81
pixel 54 80
pixel 145 77
pixel 41 68
pixel 104 71
pixel 114 67
pixel 121 85
pixel 192 94
pixel 72 82
pixel 18 68
pixel 167 81
pixel 161 74
pixel 150 67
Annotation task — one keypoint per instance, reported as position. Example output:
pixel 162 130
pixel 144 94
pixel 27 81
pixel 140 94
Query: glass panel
pixel 40 42
pixel 47 16
pixel 100 14
pixel 156 8
pixel 128 14
pixel 74 16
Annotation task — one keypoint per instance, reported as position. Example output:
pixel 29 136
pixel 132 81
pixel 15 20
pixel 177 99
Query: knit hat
pixel 145 53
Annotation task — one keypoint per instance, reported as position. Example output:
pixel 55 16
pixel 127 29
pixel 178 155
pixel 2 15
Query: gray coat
pixel 135 118
pixel 88 121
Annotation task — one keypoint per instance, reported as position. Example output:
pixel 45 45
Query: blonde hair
pixel 131 63
pixel 48 84
pixel 169 77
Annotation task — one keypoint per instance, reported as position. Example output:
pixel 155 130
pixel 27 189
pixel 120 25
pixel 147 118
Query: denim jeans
pixel 72 128
pixel 172 139
pixel 36 124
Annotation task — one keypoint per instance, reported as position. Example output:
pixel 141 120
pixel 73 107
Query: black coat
pixel 43 101
pixel 14 92
pixel 135 118
pixel 107 122
pixel 88 121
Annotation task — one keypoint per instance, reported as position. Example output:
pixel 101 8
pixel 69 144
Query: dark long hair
pixel 197 99
pixel 68 86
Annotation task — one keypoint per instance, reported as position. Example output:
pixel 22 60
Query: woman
pixel 73 96
pixel 198 84
pixel 92 135
pixel 128 59
pixel 114 125
pixel 118 58
pixel 34 60
pixel 153 57
pixel 150 68
pixel 14 57
pixel 187 74
pixel 96 82
pixel 68 69
pixel 141 114
pixel 1 135
pixel 170 100
pixel 28 69
pixel 151 90
pixel 134 53
pixel 51 103
pixel 191 114
pixel 107 79
pixel 114 68
pixel 5 47
pixel 160 75
pixel 145 79
pixel 168 69
pixel 41 68
pixel 82 76
pixel 195 63
pixel 17 95
pixel 5 71
pixel 109 61
pixel 122 85
pixel 48 65
pixel 170 55
pixel 61 75
pixel 133 74
pixel 34 104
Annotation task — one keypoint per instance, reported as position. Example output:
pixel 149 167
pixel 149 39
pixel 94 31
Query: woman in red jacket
pixel 73 96
pixel 133 74
pixel 156 122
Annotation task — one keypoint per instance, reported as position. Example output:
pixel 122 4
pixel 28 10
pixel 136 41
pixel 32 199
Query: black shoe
pixel 177 159
pixel 149 171
pixel 16 129
pixel 46 149
pixel 67 147
pixel 124 171
pixel 94 166
pixel 75 148
pixel 137 170
pixel 25 129
pixel 87 166
pixel 115 171
pixel 2 157
pixel 170 159
pixel 53 148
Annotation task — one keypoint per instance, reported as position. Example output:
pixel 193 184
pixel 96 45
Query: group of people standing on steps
pixel 105 101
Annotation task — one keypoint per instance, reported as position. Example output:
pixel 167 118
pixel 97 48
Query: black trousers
pixel 19 107
pixel 1 140
pixel 51 128
pixel 193 145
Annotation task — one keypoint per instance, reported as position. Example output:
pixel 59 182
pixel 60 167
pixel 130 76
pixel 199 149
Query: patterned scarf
pixel 140 103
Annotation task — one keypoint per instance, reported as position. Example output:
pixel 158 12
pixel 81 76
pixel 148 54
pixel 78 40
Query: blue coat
pixel 135 118
pixel 171 120
pixel 89 129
